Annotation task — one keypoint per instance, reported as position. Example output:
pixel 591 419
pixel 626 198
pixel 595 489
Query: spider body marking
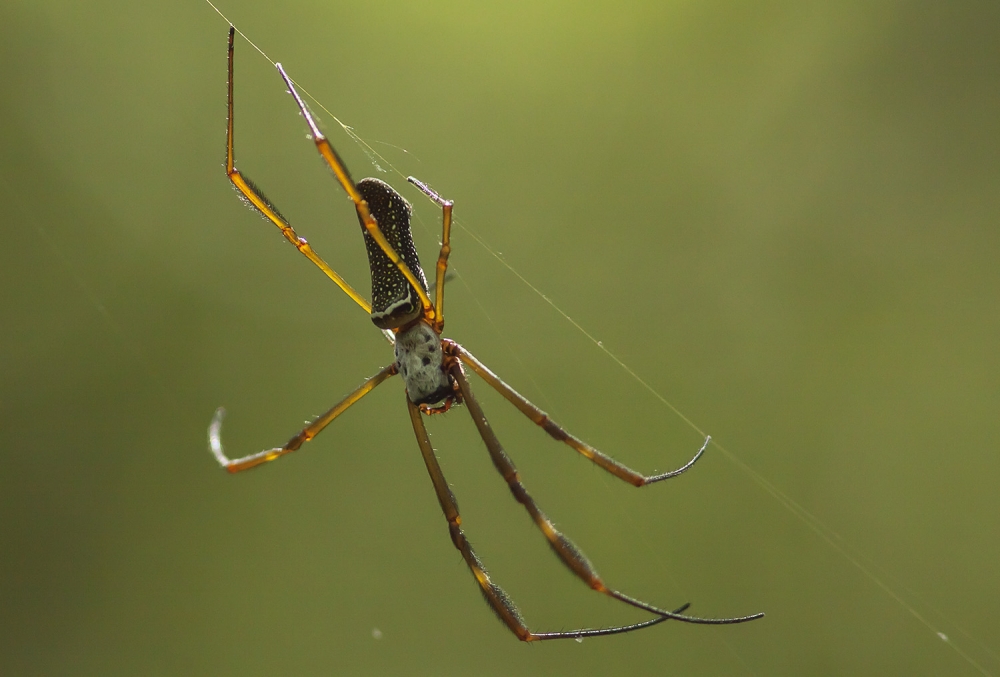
pixel 433 371
pixel 395 303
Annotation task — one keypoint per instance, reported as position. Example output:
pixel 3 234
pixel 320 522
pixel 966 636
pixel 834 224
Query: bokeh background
pixel 782 215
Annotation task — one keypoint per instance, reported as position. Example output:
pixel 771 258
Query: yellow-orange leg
pixel 557 432
pixel 344 178
pixel 564 548
pixel 442 262
pixel 256 199
pixel 495 596
pixel 303 436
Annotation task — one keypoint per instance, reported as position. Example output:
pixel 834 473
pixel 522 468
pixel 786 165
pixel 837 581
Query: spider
pixel 433 371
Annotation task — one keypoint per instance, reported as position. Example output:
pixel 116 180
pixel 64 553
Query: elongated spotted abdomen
pixel 394 302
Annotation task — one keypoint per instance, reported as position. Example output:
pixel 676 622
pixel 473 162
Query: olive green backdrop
pixel 783 216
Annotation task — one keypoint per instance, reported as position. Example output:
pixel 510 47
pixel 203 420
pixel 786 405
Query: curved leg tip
pixel 683 468
pixel 215 437
pixel 708 440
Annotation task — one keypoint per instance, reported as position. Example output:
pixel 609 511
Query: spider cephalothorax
pixel 420 361
pixel 433 371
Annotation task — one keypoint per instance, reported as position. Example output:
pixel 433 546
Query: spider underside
pixel 433 370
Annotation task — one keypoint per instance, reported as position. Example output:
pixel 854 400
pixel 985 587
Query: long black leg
pixel 569 553
pixel 619 470
pixel 494 594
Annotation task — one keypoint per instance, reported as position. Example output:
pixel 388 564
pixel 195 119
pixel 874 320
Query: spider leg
pixel 344 178
pixel 255 198
pixel 303 436
pixel 569 553
pixel 442 262
pixel 495 596
pixel 619 470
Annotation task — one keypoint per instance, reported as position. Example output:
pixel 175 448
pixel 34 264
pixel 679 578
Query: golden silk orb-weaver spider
pixel 433 371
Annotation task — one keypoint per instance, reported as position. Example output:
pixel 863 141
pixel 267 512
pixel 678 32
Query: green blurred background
pixel 782 215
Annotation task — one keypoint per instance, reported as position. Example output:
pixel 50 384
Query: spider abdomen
pixel 394 302
pixel 419 359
